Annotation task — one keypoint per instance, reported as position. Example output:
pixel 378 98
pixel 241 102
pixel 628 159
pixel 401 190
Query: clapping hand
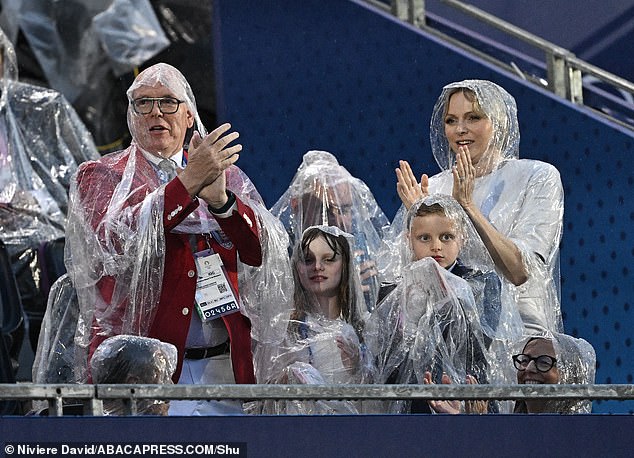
pixel 208 158
pixel 463 177
pixel 408 189
pixel 455 407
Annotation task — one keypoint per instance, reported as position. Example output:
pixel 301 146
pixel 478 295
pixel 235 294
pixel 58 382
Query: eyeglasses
pixel 145 105
pixel 340 210
pixel 543 363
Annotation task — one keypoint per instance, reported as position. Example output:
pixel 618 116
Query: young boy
pixel 438 230
pixel 439 317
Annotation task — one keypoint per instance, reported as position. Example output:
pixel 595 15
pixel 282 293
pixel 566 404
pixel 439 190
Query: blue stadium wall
pixel 337 75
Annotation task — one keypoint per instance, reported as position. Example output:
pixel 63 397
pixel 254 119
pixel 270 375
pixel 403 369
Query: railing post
pixel 93 407
pixel 557 73
pixel 56 407
pixel 412 11
pixel 563 79
pixel 576 85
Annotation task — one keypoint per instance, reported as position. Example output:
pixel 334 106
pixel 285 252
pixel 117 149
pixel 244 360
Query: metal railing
pixel 564 71
pixel 92 396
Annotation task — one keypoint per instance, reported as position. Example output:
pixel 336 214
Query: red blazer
pixel 176 305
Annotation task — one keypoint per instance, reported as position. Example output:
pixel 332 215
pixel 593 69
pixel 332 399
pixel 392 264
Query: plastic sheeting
pixel 428 322
pixel 87 50
pixel 123 33
pixel 325 342
pixel 42 142
pixel 576 364
pixel 522 199
pixel 323 192
pixel 55 356
pixel 126 359
pixel 116 239
pixel 440 216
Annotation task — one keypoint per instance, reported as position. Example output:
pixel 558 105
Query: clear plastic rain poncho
pixel 54 360
pixel 116 239
pixel 497 306
pixel 323 192
pixel 428 322
pixel 42 142
pixel 523 199
pixel 126 359
pixel 576 364
pixel 76 42
pixel 320 349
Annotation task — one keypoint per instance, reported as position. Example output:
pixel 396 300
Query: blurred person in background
pixel 42 142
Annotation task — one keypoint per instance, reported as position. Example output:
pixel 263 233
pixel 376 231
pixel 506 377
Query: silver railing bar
pixel 564 70
pixel 606 76
pixel 26 391
pixel 374 392
pixel 507 27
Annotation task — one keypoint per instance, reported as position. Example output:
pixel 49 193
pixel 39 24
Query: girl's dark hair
pixel 346 297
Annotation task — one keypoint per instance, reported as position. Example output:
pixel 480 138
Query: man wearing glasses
pixel 157 233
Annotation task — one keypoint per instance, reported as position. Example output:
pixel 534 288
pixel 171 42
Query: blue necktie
pixel 167 170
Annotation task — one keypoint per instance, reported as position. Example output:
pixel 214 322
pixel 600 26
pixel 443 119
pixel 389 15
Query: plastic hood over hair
pixel 501 109
pixel 497 306
pixel 323 192
pixel 306 302
pixel 174 82
pixel 522 199
pixel 116 242
pixel 126 359
pixel 576 364
pixel 311 352
pixel 133 359
pixel 428 321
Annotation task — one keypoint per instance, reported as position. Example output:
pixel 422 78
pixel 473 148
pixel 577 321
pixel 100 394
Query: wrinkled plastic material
pixel 323 192
pixel 42 142
pixel 576 364
pixel 523 199
pixel 120 241
pixel 126 359
pixel 497 306
pixel 315 349
pixel 54 360
pixel 129 33
pixel 126 32
pixel 428 321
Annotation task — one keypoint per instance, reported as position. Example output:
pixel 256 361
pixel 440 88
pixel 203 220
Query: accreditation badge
pixel 214 294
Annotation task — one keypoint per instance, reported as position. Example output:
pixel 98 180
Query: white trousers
pixel 208 371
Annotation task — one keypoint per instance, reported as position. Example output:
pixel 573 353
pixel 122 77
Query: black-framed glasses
pixel 543 363
pixel 145 105
pixel 340 210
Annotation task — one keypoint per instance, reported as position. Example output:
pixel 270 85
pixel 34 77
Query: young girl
pixel 325 334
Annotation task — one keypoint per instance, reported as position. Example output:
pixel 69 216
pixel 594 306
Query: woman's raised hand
pixel 463 178
pixel 408 189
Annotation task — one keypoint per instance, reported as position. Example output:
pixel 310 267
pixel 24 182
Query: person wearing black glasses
pixel 158 234
pixel 554 359
pixel 550 358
